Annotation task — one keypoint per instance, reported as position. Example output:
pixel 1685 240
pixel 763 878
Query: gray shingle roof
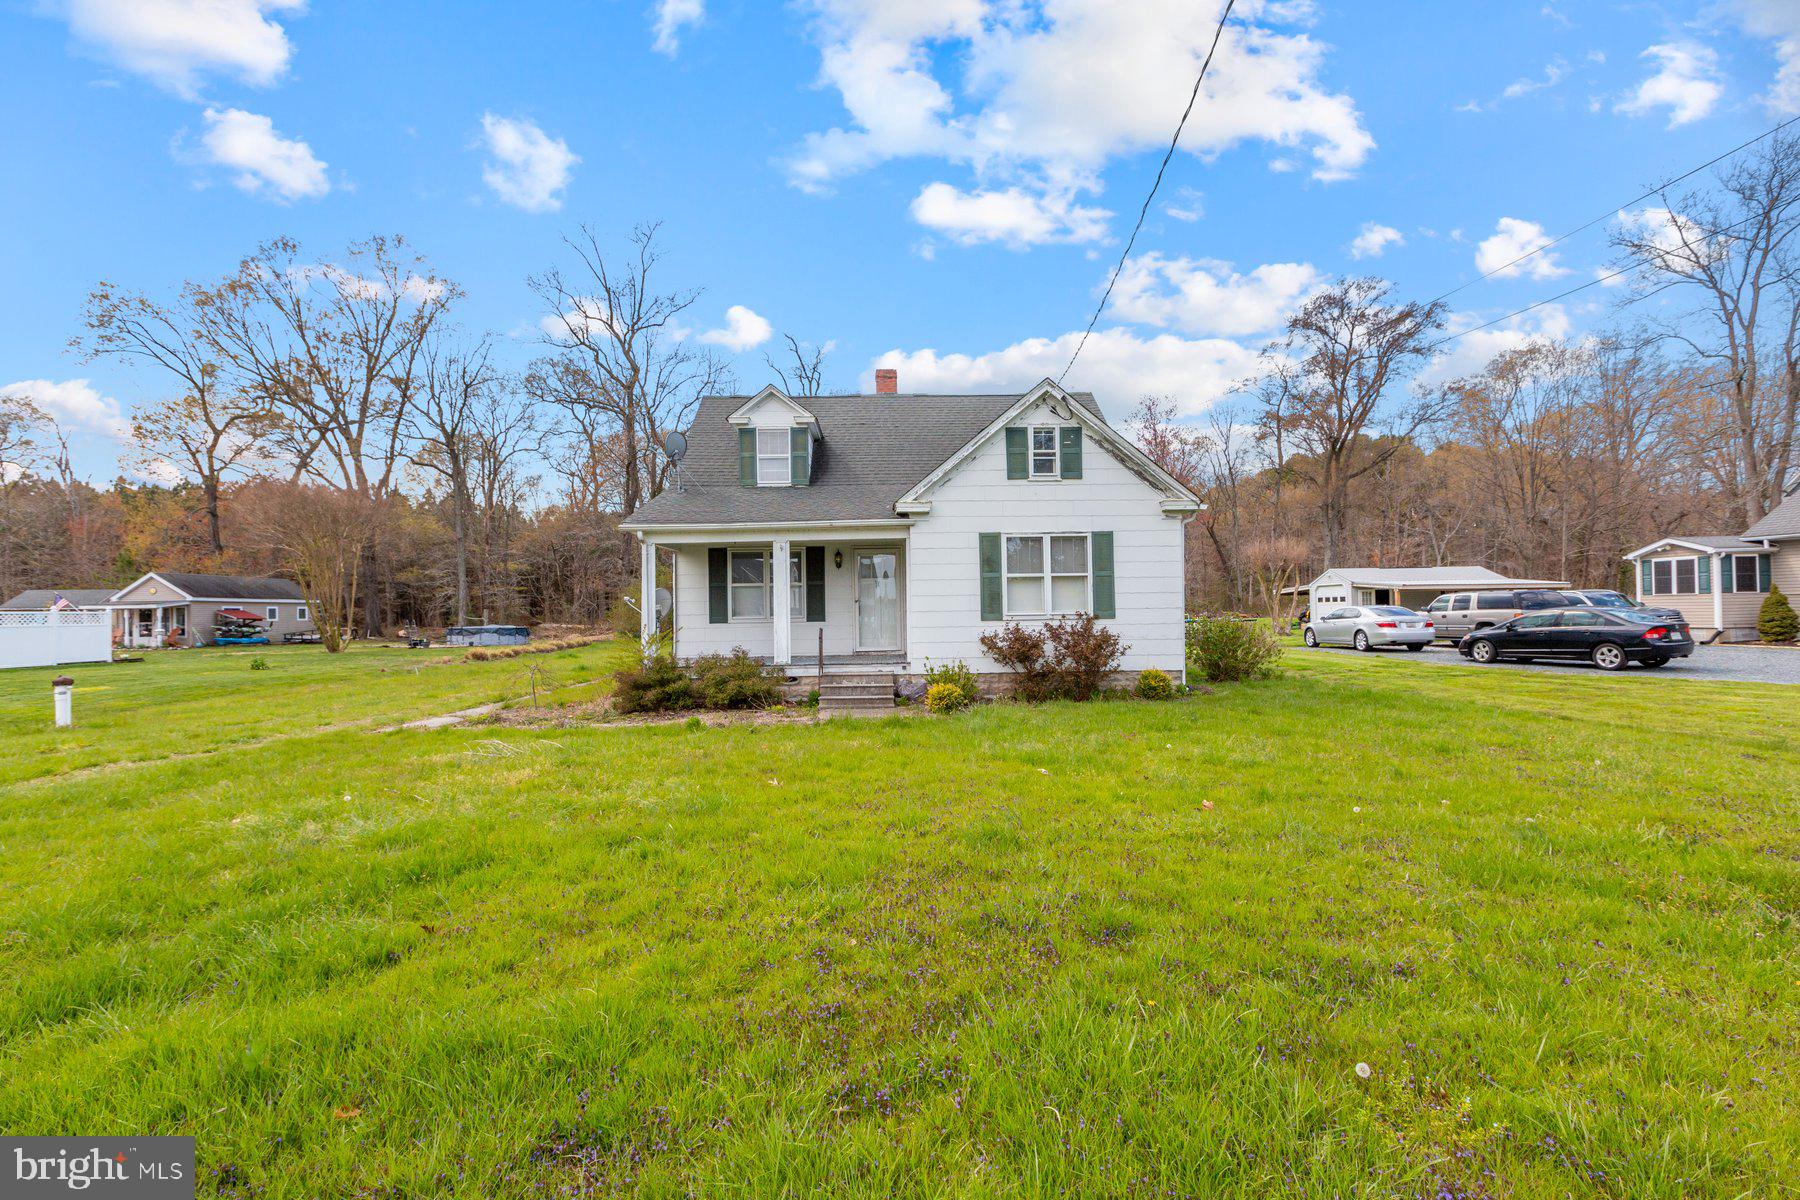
pixel 1782 522
pixel 873 449
pixel 233 587
pixel 1725 542
pixel 38 599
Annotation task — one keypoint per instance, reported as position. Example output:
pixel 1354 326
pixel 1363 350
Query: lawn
pixel 1116 949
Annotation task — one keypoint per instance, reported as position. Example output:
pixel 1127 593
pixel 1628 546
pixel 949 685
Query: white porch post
pixel 647 595
pixel 782 603
pixel 1719 566
pixel 156 637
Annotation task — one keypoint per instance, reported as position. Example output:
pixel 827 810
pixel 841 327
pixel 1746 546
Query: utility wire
pixel 1145 211
pixel 1608 214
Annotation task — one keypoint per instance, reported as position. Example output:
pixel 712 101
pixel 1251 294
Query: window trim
pixel 785 457
pixel 301 614
pixel 1032 452
pixel 272 612
pixel 1737 582
pixel 796 586
pixel 1046 577
pixel 732 587
pixel 1673 563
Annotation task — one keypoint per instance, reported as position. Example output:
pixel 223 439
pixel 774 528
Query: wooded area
pixel 315 409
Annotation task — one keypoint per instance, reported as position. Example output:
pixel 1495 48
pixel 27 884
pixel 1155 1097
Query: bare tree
pixel 324 535
pixel 1350 349
pixel 21 422
pixel 1735 251
pixel 454 385
pixel 638 375
pixel 809 367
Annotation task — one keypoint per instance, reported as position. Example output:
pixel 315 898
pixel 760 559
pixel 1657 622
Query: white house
pixel 179 606
pixel 894 530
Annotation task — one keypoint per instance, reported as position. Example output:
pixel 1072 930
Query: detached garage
pixel 1409 587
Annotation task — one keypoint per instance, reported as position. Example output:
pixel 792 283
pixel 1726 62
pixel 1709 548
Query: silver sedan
pixel 1369 626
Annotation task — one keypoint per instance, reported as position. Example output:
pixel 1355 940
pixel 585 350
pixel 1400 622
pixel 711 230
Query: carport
pixel 1410 587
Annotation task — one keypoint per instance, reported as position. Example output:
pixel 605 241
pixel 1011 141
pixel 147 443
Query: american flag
pixel 61 604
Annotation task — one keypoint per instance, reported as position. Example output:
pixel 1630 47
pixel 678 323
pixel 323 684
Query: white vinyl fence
pixel 44 639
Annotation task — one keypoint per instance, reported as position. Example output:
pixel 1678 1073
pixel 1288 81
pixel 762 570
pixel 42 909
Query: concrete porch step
pixel 859 693
pixel 859 687
pixel 856 704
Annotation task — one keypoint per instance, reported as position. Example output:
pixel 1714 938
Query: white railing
pixel 44 639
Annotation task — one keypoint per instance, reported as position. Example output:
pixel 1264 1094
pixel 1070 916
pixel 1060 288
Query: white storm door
pixel 877 600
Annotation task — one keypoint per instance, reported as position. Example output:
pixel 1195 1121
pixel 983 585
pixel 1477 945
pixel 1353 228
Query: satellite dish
pixel 675 446
pixel 665 603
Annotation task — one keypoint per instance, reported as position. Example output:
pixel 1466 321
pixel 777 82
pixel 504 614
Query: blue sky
pixel 938 185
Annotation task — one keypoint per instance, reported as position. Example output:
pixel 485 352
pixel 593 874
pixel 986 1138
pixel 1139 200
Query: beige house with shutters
pixel 1719 582
pixel 886 532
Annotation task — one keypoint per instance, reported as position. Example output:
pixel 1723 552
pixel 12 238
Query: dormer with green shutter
pixel 777 441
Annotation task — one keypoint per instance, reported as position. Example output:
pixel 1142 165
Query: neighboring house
pixel 1718 582
pixel 43 599
pixel 898 529
pixel 1409 587
pixel 148 610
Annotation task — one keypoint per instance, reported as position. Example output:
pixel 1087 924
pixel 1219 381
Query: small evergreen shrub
pixel 1060 660
pixel 1775 621
pixel 735 680
pixel 1228 650
pixel 955 674
pixel 657 686
pixel 1155 685
pixel 945 697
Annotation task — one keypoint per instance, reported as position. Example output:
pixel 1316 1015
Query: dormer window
pixel 1043 452
pixel 774 458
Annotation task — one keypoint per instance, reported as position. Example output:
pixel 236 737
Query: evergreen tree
pixel 1777 622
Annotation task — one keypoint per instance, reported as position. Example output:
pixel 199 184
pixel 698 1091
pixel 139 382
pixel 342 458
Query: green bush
pixel 259 663
pixel 945 697
pixel 1155 685
pixel 735 680
pixel 657 686
pixel 1775 621
pixel 955 674
pixel 1227 650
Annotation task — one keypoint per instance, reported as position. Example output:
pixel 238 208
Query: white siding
pixel 943 588
pixel 696 634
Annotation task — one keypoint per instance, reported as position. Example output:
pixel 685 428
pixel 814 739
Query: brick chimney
pixel 887 381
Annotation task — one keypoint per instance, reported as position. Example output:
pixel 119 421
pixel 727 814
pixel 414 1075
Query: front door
pixel 877 600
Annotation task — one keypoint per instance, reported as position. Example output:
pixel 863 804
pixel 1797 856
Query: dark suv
pixel 1457 613
pixel 1620 602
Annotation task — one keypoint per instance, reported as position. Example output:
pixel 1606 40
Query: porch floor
pixel 844 664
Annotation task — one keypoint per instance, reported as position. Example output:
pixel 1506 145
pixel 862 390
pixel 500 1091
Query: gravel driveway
pixel 1742 664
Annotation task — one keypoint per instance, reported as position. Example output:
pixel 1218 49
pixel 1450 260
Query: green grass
pixel 1009 952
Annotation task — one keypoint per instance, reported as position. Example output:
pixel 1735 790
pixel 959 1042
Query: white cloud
pixel 1555 72
pixel 1778 21
pixel 743 329
pixel 1014 217
pixel 1373 240
pixel 266 164
pixel 175 42
pixel 671 17
pixel 1676 241
pixel 526 167
pixel 1205 296
pixel 73 402
pixel 1188 205
pixel 1117 365
pixel 1512 238
pixel 1686 83
pixel 1473 351
pixel 1055 88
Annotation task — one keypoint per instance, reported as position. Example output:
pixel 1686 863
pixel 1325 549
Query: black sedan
pixel 1607 638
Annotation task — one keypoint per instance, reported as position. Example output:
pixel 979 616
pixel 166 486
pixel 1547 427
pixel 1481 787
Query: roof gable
pixel 772 395
pixel 1782 521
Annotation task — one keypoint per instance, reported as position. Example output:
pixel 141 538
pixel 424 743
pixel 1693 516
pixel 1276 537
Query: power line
pixel 1145 210
pixel 1608 214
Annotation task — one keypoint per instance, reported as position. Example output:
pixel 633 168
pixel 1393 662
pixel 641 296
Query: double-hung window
pixel 1044 463
pixel 1743 574
pixel 1673 576
pixel 749 587
pixel 774 461
pixel 1046 574
pixel 274 613
pixel 797 584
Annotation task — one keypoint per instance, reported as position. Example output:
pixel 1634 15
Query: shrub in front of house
pixel 1775 621
pixel 957 675
pixel 1229 650
pixel 945 697
pixel 1059 660
pixel 656 686
pixel 1155 685
pixel 735 680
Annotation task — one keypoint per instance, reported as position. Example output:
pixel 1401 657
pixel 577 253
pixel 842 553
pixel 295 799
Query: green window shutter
pixel 747 457
pixel 815 583
pixel 1646 576
pixel 800 452
pixel 1071 451
pixel 718 604
pixel 1763 564
pixel 1016 454
pixel 1728 573
pixel 1101 545
pixel 992 608
pixel 1703 575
